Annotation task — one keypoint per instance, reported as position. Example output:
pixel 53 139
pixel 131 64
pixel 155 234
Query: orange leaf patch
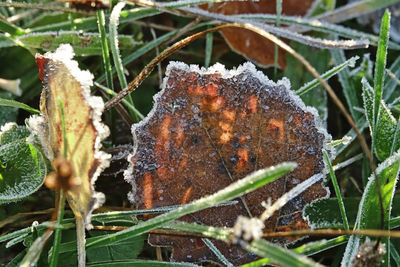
pixel 211 127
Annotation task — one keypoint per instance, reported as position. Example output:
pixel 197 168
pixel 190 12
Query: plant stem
pixel 80 235
pixel 58 231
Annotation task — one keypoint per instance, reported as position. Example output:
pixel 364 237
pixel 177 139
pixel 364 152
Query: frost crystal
pixel 247 229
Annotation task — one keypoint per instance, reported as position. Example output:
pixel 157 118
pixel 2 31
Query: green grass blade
pixel 257 263
pixel 243 186
pixel 337 190
pixel 277 24
pixel 279 255
pixel 355 9
pixel 321 245
pixel 10 28
pixel 58 231
pixel 335 70
pixel 105 50
pixel 217 253
pixel 385 131
pixel 387 173
pixel 84 44
pixel 318 26
pixel 141 51
pixel 131 108
pixel 209 47
pixel 395 254
pixel 361 124
pixel 16 240
pixel 16 104
pixel 380 66
pixel 113 29
pixel 262 248
pixel 390 84
pixel 396 139
pixel 349 89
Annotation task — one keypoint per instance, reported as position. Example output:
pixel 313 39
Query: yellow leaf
pixel 64 82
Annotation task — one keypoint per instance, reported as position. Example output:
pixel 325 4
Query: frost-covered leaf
pixel 368 216
pixel 325 213
pixel 211 127
pixel 65 83
pixel 22 167
pixel 385 129
pixel 83 43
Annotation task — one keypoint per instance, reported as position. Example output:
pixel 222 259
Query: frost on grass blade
pixel 367 217
pixel 210 127
pixel 384 131
pixel 65 83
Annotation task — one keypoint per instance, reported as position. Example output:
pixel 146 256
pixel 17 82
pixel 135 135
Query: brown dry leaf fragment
pixel 63 80
pixel 211 127
pixel 250 44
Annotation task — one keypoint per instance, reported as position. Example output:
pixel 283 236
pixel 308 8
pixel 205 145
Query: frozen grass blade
pixel 390 84
pixel 16 104
pixel 282 32
pixel 396 138
pixel 395 254
pixel 209 47
pixel 241 187
pixel 58 231
pixel 277 254
pixel 113 29
pixel 277 24
pixel 141 51
pixel 337 190
pixel 335 70
pixel 312 248
pixel 262 248
pixel 16 240
pixel 131 108
pixel 387 173
pixel 316 25
pixel 349 90
pixel 105 50
pixel 379 75
pixel 35 249
pixel 355 9
pixel 216 251
pixel 385 130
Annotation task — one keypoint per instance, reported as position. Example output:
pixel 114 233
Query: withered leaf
pixel 211 127
pixel 250 44
pixel 64 81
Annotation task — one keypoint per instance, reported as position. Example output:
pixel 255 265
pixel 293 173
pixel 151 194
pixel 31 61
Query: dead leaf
pixel 211 127
pixel 64 81
pixel 250 44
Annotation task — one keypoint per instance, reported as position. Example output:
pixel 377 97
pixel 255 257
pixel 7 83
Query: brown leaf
pixel 211 127
pixel 250 44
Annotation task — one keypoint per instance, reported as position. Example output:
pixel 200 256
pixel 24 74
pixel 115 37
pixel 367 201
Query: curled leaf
pixel 65 83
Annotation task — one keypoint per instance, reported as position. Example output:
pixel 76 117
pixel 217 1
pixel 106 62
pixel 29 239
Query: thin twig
pixel 307 232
